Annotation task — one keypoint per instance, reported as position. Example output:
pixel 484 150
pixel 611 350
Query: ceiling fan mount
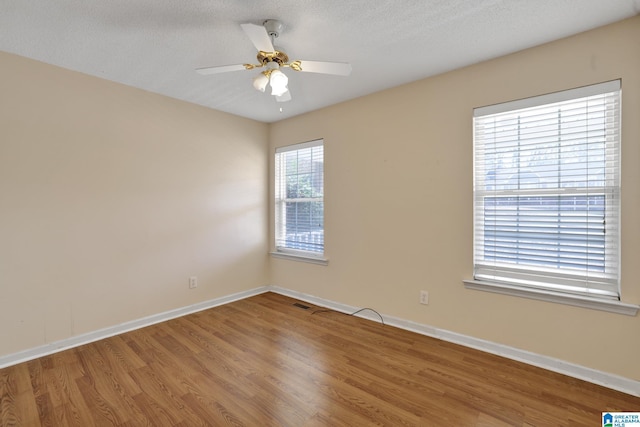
pixel 262 37
pixel 273 27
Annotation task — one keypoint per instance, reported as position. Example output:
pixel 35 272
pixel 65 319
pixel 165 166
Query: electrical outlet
pixel 424 297
pixel 193 282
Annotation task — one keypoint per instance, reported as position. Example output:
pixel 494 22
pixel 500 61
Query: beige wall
pixel 111 197
pixel 398 215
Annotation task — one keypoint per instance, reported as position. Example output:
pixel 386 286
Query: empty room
pixel 319 213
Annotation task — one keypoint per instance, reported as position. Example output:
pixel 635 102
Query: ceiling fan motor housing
pixel 280 58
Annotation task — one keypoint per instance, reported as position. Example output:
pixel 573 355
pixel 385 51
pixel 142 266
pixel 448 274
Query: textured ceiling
pixel 156 44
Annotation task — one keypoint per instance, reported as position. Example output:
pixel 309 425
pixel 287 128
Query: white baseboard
pixel 56 346
pixel 612 381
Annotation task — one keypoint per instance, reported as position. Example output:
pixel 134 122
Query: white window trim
pixel 293 254
pixel 612 306
pixel 549 98
pixel 302 256
pixel 604 304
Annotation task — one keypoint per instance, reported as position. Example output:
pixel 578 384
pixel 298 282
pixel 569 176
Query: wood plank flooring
pixel 264 362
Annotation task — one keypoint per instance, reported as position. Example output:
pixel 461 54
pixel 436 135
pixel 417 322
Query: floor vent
pixel 304 307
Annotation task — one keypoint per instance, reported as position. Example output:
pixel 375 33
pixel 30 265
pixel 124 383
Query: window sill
pixel 301 258
pixel 611 306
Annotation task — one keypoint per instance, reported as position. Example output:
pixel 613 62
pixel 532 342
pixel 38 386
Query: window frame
pixel 281 200
pixel 506 281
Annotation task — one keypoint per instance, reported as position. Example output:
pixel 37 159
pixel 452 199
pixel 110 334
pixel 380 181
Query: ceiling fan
pixel 273 59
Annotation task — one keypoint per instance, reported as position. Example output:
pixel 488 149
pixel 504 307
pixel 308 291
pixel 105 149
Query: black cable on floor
pixel 351 314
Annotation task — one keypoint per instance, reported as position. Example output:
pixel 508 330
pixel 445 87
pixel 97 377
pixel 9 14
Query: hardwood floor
pixel 264 362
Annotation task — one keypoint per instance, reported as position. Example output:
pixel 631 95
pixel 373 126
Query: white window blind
pixel 299 198
pixel 547 192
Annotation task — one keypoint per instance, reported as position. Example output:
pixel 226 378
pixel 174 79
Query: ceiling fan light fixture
pixel 278 82
pixel 260 82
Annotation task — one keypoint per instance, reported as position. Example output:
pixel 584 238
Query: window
pixel 299 203
pixel 547 192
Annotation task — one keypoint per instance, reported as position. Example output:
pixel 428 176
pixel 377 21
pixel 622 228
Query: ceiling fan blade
pixel 221 69
pixel 258 36
pixel 336 68
pixel 284 97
